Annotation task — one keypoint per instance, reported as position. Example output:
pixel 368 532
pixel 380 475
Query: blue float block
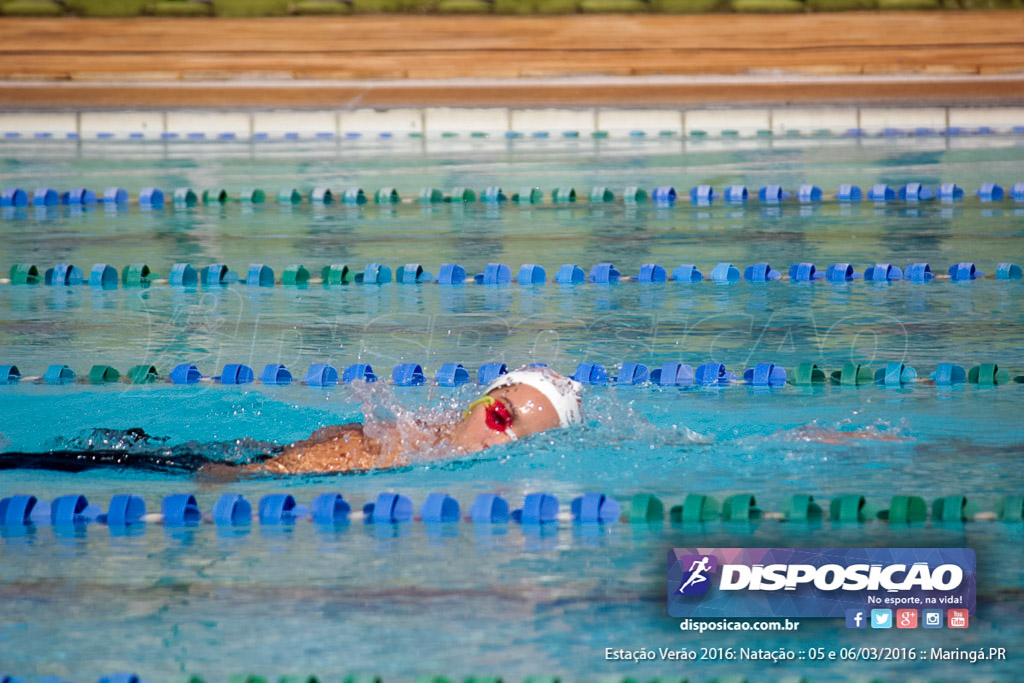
pixel 489 508
pixel 22 510
pixel 103 276
pixel 725 273
pixel 950 192
pixel 280 508
pixel 236 373
pixel 760 272
pixel 990 192
pixel 151 197
pixel 216 274
pixel 840 272
pixel 321 375
pixel 63 275
pixel 45 196
pixel 78 196
pixel 72 510
pixel 590 373
pixel 232 509
pixel 358 372
pixel 665 195
pixel 389 508
pixel 260 276
pixel 180 509
pixel 14 197
pixel 771 194
pixel 712 374
pixel 413 274
pixel 736 194
pixel 494 274
pixel 849 193
pixel 604 273
pixel 183 275
pixel 1018 192
pixel 408 375
pixel 439 507
pixel 687 273
pixel 895 375
pixel 330 508
pixel 595 508
pixel 919 272
pixel 538 508
pixel 883 272
pixel 59 374
pixel 570 274
pixel 633 373
pixel 915 192
pixel 451 274
pixel 186 373
pixel 651 272
pixel 765 375
pixel 489 372
pixel 120 677
pixel 451 375
pixel 1004 271
pixel 673 375
pixel 702 194
pixel 9 374
pixel 808 194
pixel 881 193
pixel 531 274
pixel 804 272
pixel 964 272
pixel 947 374
pixel 275 373
pixel 125 509
pixel 117 196
pixel 374 274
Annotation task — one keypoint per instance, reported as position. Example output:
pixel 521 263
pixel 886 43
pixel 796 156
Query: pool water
pixel 413 599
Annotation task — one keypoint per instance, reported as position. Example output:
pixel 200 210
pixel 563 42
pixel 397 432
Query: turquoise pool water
pixel 411 600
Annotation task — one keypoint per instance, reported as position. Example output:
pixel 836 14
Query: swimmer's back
pixel 336 448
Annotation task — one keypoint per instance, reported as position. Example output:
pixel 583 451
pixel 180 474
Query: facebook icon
pixel 855 618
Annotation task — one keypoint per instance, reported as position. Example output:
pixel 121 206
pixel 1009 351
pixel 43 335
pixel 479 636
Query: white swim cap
pixel 562 392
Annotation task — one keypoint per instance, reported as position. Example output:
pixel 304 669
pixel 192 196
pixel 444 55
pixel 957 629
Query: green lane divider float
pixel 215 195
pixel 563 195
pixel 289 195
pixel 634 195
pixel 600 195
pixel 431 195
pixel 645 508
pixel 253 195
pixel 137 275
pixel 1010 509
pixel 103 374
pixel 852 508
pixel 353 196
pixel 953 509
pixel 808 374
pixel 853 374
pixel 386 195
pixel 695 508
pixel 461 195
pixel 988 374
pixel 143 374
pixel 295 275
pixel 801 508
pixel 185 196
pixel 337 274
pixel 905 510
pixel 528 195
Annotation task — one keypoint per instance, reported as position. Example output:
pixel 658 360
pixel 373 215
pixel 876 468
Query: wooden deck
pixel 387 60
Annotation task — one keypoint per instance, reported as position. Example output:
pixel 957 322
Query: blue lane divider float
pixel 275 374
pixel 570 274
pixel 451 274
pixel 702 195
pixel 881 193
pixel 389 508
pixel 919 272
pixel 63 275
pixel 990 192
pixel 849 193
pixel 724 273
pixel 358 372
pixel 590 373
pixel 488 372
pixel 595 508
pixel 489 508
pixel 180 509
pixel 883 272
pixel 413 274
pixel 538 508
pixel 14 196
pixel 321 375
pixel 260 275
pixel 633 374
pixel 9 374
pixel 280 508
pixel 771 194
pixel 687 273
pixel 809 194
pixel 761 272
pixel 604 273
pixel 232 509
pixel 914 192
pixel 531 274
pixel 236 373
pixel 964 272
pixel 735 194
pixel 185 373
pixel 950 192
pixel 59 374
pixel 765 375
pixel 805 272
pixel 1008 271
pixel 408 375
pixel 651 273
pixel 451 375
pixel 439 507
pixel 673 375
pixel 494 274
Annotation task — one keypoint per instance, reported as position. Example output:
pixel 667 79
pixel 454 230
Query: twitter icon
pixel 881 618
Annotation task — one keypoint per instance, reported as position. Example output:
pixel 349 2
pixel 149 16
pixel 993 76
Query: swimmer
pixel 515 405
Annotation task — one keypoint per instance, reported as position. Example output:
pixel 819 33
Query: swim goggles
pixel 496 415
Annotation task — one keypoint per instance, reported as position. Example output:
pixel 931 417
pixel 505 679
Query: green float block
pixel 185 196
pixel 646 508
pixel 433 679
pixel 599 134
pixel 362 678
pixel 215 195
pixel 289 195
pixel 807 374
pixel 563 195
pixel 483 679
pixel 951 509
pixel 308 678
pixel 386 195
pixel 461 195
pixel 103 374
pixel 143 374
pixel 253 195
pixel 542 679
pixel 905 510
pixel 988 374
pixel 1010 508
pixel 740 508
pixel 634 195
pixel 336 274
pixel 25 274
pixel 853 374
pixel 850 508
pixel 431 195
pixel 353 196
pixel 601 195
pixel 528 195
pixel 188 679
pixel 295 275
pixel 801 508
pixel 137 275
pixel 695 508
pixel 246 678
